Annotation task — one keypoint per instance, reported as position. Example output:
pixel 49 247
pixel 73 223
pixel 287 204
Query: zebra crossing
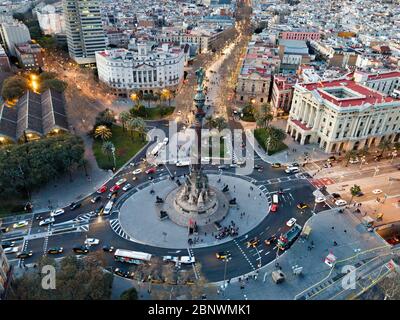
pixel 264 190
pixel 84 217
pixel 282 179
pixel 84 228
pixel 116 226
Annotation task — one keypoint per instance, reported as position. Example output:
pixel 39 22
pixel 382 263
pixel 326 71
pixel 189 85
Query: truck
pixel 286 239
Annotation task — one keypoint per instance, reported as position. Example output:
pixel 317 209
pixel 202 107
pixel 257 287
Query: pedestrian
pixel 345 231
pixel 333 228
pixel 335 243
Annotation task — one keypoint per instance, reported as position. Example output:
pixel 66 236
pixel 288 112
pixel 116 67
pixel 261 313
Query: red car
pixel 274 207
pixel 151 170
pixel 102 189
pixel 115 188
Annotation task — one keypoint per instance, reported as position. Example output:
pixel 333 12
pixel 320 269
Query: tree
pixel 54 84
pixel 138 125
pixel 351 154
pixel 354 191
pixel 136 96
pixel 130 294
pixel 26 166
pixel 107 148
pixel 106 117
pixel 124 117
pixel 384 145
pixel 76 279
pixel 102 132
pixel 148 97
pixel 166 95
pixel 14 87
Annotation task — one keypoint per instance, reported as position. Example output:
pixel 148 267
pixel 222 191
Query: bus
pixel 157 149
pixel 286 239
pixel 134 257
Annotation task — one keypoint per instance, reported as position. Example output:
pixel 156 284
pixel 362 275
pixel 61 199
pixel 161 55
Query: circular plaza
pixel 158 214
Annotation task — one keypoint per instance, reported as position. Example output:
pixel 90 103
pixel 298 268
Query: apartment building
pixel 5 273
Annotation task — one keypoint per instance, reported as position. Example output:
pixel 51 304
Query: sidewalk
pixel 328 226
pixel 63 191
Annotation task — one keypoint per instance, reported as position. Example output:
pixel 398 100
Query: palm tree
pixel 136 96
pixel 166 95
pixel 124 116
pixel 136 124
pixel 102 132
pixel 265 108
pixel 363 152
pixel 384 145
pixel 276 136
pixel 268 118
pixel 148 97
pixel 350 155
pixel 107 148
pixel 354 190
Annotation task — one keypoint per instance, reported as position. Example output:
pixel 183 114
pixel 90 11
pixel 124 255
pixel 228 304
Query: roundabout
pixel 140 219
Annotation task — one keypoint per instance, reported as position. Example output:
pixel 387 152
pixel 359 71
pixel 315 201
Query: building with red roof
pixel 343 114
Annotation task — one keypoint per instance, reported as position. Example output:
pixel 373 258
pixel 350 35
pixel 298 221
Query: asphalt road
pixel 243 259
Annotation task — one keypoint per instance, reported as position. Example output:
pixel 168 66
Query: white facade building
pixel 143 70
pixel 14 33
pixel 341 115
pixel 51 20
pixel 85 34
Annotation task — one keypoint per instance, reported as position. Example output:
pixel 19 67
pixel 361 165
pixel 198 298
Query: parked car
pixel 354 160
pixel 376 191
pixel 122 273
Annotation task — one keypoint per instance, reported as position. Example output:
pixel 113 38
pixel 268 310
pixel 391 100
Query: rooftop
pixel 346 93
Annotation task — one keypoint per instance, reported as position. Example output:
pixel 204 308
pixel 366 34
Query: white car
pixel 183 163
pixel 320 199
pixel 120 181
pixel 57 212
pixel 10 250
pixel 20 224
pixel 46 221
pixel 127 187
pixel 92 241
pixel 291 222
pixel 179 112
pixel 340 202
pixel 137 171
pixel 292 170
pixel 354 160
pixel 377 191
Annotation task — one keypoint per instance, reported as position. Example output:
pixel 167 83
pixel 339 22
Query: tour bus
pixel 134 257
pixel 157 149
pixel 275 201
